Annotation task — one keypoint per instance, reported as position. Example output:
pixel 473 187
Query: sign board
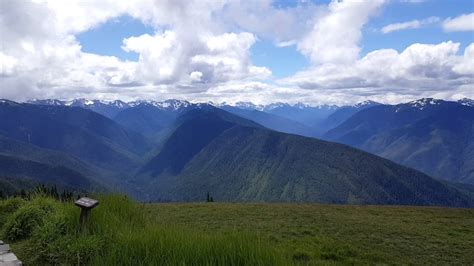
pixel 86 203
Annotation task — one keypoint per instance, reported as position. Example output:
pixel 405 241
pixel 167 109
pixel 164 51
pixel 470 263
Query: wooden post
pixel 86 205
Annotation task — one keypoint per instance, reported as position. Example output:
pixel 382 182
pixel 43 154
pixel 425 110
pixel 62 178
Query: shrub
pixel 9 206
pixel 22 223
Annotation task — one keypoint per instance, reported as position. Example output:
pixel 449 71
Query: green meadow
pixel 43 231
pixel 338 234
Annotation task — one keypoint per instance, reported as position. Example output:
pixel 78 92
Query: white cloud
pixel 336 35
pixel 74 16
pixel 263 19
pixel 195 76
pixel 420 70
pixel 7 64
pixel 200 50
pixel 413 24
pixel 466 66
pixel 43 54
pixel 169 58
pixel 461 23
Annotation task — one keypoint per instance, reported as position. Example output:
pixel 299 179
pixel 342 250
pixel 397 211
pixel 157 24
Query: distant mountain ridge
pixel 434 136
pixel 212 151
pixel 341 114
pixel 271 121
pixel 76 131
pixel 111 108
pixel 466 101
pixel 176 104
pixel 176 150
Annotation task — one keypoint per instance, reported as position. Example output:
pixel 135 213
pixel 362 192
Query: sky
pixel 263 51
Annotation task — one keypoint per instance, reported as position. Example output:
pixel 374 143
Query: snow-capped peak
pixel 301 106
pixel 466 101
pixel 248 106
pixel 365 103
pixel 424 102
pixel 54 102
pixel 171 104
pixel 119 104
pixel 275 105
pixel 8 102
pixel 81 102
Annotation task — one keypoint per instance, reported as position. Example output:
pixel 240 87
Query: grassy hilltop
pixel 339 234
pixel 121 232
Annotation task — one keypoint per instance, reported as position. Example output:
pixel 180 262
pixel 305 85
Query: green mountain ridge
pixel 205 150
pixel 75 131
pixel 438 139
pixel 245 163
pixel 44 173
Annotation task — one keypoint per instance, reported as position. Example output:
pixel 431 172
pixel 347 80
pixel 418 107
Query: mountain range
pixel 179 151
pixel 434 136
pixel 236 160
pixel 150 117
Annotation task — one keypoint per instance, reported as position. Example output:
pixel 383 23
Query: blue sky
pixel 106 39
pixel 431 34
pixel 316 52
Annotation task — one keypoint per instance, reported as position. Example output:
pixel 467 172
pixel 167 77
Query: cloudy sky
pixel 263 51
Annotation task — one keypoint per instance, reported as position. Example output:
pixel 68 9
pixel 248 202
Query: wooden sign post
pixel 86 205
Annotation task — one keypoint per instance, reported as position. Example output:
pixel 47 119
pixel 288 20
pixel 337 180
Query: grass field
pixel 327 234
pixel 43 231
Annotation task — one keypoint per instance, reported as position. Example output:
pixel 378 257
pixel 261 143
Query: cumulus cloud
pixel 167 58
pixel 284 26
pixel 43 54
pixel 419 70
pixel 7 64
pixel 200 50
pixel 336 35
pixel 461 23
pixel 413 24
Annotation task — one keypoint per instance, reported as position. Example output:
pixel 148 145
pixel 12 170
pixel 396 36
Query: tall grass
pixel 120 232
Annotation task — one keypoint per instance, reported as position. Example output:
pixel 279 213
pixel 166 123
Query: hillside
pixel 235 161
pixel 76 131
pixel 36 172
pixel 433 136
pixel 49 165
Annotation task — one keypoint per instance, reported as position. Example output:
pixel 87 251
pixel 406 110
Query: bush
pixel 9 206
pixel 22 223
pixel 26 216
